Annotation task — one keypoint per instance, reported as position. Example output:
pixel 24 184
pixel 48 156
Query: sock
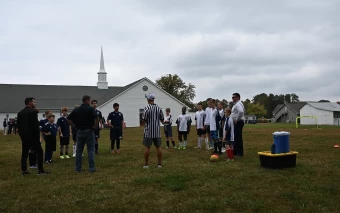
pixel 96 147
pixel 206 143
pixel 173 143
pixel 212 143
pixel 215 147
pixel 200 141
pixel 219 147
pixel 223 144
pixel 180 144
pixel 61 150
pixel 232 153
pixel 185 143
pixel 228 151
pixel 66 150
pixel 74 149
pixel 167 143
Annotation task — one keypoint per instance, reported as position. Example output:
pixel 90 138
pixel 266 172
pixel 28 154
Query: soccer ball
pixel 213 158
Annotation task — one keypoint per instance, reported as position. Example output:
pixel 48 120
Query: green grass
pixel 187 183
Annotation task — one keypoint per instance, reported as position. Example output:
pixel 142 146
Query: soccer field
pixel 187 183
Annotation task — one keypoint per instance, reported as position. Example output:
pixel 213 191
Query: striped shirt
pixel 152 117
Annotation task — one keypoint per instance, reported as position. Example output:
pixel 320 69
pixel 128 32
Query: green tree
pixel 324 100
pixel 175 86
pixel 256 109
pixel 295 98
pixel 288 98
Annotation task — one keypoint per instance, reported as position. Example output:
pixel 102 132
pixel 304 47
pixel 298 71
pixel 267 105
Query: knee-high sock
pixel 173 143
pixel 74 149
pixel 185 144
pixel 215 147
pixel 61 150
pixel 219 146
pixel 96 146
pixel 206 142
pixel 66 150
pixel 199 141
pixel 112 145
pixel 167 143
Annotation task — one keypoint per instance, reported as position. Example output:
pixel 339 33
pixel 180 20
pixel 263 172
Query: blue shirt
pixel 116 118
pixel 64 126
pixel 42 122
pixel 48 127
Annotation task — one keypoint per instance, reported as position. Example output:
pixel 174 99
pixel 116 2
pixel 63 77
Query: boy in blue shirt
pixel 115 121
pixel 64 133
pixel 50 130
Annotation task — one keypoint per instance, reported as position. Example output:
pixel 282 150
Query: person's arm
pixel 122 122
pixel 145 115
pixel 161 116
pixel 59 128
pixel 177 122
pixel 108 120
pixel 100 121
pixel 189 123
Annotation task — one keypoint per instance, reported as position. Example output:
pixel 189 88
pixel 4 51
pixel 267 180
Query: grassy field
pixel 187 183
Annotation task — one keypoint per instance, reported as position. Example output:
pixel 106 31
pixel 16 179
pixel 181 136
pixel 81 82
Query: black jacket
pixel 28 124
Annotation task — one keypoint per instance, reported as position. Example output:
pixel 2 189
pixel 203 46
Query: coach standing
pixel 152 117
pixel 237 113
pixel 29 131
pixel 85 120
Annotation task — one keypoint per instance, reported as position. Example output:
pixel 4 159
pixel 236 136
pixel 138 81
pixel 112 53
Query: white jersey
pixel 212 117
pixel 167 120
pixel 207 116
pixel 200 119
pixel 183 121
pixel 228 125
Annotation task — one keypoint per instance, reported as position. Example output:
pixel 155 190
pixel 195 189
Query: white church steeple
pixel 102 81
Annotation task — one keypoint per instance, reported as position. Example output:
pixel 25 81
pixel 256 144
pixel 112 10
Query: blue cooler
pixel 281 141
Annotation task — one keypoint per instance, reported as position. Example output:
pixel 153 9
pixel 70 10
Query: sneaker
pixel 184 147
pixel 145 167
pixel 211 148
pixel 223 150
pixel 50 161
pixel 66 156
pixel 33 167
pixel 43 173
pixel 74 155
pixel 179 147
pixel 62 157
pixel 47 162
pixel 159 166
pixel 167 147
pixel 25 173
pixel 197 147
pixel 113 151
pixel 118 151
pixel 175 147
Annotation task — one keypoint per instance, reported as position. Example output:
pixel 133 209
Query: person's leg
pixel 185 137
pixel 173 142
pixel 113 146
pixel 32 158
pixel 118 137
pixel 90 143
pixel 81 140
pixel 241 124
pixel 24 155
pixel 146 155
pixel 36 145
pixel 180 140
pixel 61 147
pixel 67 142
pixel 159 155
pixel 236 139
pixel 74 148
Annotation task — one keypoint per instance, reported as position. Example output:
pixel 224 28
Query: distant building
pixel 287 112
pixel 132 97
pixel 325 112
pixel 250 118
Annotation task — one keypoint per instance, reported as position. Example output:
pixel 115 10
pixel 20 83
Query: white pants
pixel 5 130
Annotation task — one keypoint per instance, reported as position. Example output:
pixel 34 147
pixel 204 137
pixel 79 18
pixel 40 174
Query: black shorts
pixel 64 141
pixel 207 130
pixel 201 132
pixel 149 141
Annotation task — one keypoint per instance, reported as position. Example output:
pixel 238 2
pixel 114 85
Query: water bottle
pixel 273 149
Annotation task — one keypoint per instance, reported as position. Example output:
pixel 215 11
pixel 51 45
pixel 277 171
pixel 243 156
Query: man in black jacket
pixel 29 131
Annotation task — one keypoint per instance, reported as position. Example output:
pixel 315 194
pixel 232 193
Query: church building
pixel 131 98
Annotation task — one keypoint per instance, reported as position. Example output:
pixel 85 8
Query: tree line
pixel 261 105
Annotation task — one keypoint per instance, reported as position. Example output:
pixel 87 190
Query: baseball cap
pixel 150 96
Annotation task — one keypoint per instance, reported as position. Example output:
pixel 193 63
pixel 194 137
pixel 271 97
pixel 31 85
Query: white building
pixel 131 97
pixel 325 112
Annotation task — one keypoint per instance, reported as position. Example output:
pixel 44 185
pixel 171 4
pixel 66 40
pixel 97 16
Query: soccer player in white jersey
pixel 168 129
pixel 207 123
pixel 183 127
pixel 220 118
pixel 200 118
pixel 214 125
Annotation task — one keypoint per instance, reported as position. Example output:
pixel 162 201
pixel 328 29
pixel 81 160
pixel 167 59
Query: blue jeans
pixel 85 137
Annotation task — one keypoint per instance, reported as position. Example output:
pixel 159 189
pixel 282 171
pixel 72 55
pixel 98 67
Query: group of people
pixel 10 126
pixel 221 129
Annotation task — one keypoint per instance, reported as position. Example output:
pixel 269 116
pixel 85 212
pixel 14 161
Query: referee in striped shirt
pixel 152 117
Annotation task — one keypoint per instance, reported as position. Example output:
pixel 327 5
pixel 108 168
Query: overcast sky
pixel 220 46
